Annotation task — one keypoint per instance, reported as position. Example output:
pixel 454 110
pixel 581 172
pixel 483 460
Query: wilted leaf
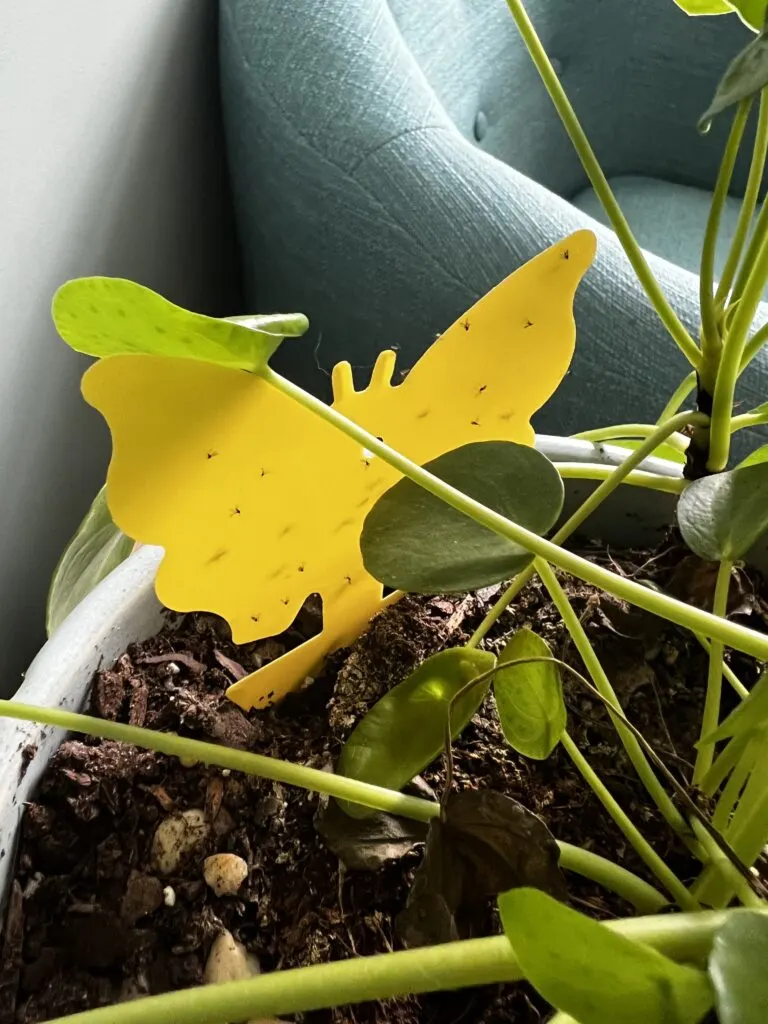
pixel 723 515
pixel 415 542
pixel 748 717
pixel 367 844
pixel 745 76
pixel 598 976
pixel 107 316
pixel 405 730
pixel 486 843
pixel 737 969
pixel 529 697
pixel 95 550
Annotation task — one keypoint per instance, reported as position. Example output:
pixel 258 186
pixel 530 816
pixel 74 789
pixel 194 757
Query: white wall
pixel 111 162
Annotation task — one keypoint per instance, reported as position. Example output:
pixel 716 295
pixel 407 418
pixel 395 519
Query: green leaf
pixel 107 316
pixel 746 718
pixel 367 844
pixel 405 730
pixel 415 542
pixel 594 974
pixel 751 12
pixel 484 844
pixel 95 550
pixel 723 515
pixel 529 697
pixel 737 969
pixel 745 76
pixel 756 457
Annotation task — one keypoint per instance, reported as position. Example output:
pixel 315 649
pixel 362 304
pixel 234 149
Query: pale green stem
pixel 736 783
pixel 728 672
pixel 721 865
pixel 748 641
pixel 683 937
pixel 631 431
pixel 749 202
pixel 636 839
pixel 711 715
pixel 710 332
pixel 679 395
pixel 633 889
pixel 600 679
pixel 724 763
pixel 748 419
pixel 600 184
pixel 595 471
pixel 731 359
pixel 753 346
pixel 582 513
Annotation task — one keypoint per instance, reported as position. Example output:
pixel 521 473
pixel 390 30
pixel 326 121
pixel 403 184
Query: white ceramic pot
pixel 124 609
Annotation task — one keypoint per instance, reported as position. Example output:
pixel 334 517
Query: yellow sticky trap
pixel 259 503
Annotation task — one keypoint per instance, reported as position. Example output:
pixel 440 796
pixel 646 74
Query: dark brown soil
pixel 88 923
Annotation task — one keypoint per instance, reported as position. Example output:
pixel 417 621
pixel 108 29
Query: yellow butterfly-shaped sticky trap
pixel 258 503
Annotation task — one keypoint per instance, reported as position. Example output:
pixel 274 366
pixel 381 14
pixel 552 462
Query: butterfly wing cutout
pixel 259 503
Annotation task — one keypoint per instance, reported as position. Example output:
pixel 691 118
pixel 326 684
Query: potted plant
pixel 468 517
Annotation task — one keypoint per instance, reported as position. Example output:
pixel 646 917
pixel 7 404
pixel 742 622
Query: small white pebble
pixel 229 960
pixel 224 873
pixel 169 896
pixel 226 772
pixel 175 836
pixel 172 668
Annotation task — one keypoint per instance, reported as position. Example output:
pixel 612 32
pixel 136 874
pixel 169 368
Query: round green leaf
pixel 594 974
pixel 415 542
pixel 529 697
pixel 737 968
pixel 107 316
pixel 745 76
pixel 95 550
pixel 405 730
pixel 723 515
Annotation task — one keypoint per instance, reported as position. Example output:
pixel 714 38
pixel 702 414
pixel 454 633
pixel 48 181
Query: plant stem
pixel 711 715
pixel 617 476
pixel 600 184
pixel 724 763
pixel 639 478
pixel 749 202
pixel 683 937
pixel 730 675
pixel 737 781
pixel 753 346
pixel 740 637
pixel 636 839
pixel 679 395
pixel 595 670
pixel 711 344
pixel 731 359
pixel 583 862
pixel 748 419
pixel 631 431
pixel 722 866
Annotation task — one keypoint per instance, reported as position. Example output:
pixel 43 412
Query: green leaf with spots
pixel 723 515
pixel 107 316
pixel 415 542
pixel 745 76
pixel 737 968
pixel 598 976
pixel 529 697
pixel 96 549
pixel 405 730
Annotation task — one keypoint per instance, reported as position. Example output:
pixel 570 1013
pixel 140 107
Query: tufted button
pixel 481 126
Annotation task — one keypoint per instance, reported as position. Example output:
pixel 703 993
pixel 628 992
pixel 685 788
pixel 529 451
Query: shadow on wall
pixel 112 115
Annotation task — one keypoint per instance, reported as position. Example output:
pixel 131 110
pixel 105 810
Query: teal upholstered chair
pixel 393 159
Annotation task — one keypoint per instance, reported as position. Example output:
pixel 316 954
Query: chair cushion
pixel 668 219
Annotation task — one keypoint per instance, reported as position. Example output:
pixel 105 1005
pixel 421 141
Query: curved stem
pixel 595 670
pixel 595 471
pixel 683 937
pixel 631 431
pixel 740 637
pixel 734 681
pixel 679 395
pixel 710 333
pixel 748 419
pixel 723 765
pixel 598 496
pixel 600 184
pixel 583 862
pixel 711 715
pixel 736 783
pixel 719 864
pixel 753 346
pixel 749 202
pixel 636 839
